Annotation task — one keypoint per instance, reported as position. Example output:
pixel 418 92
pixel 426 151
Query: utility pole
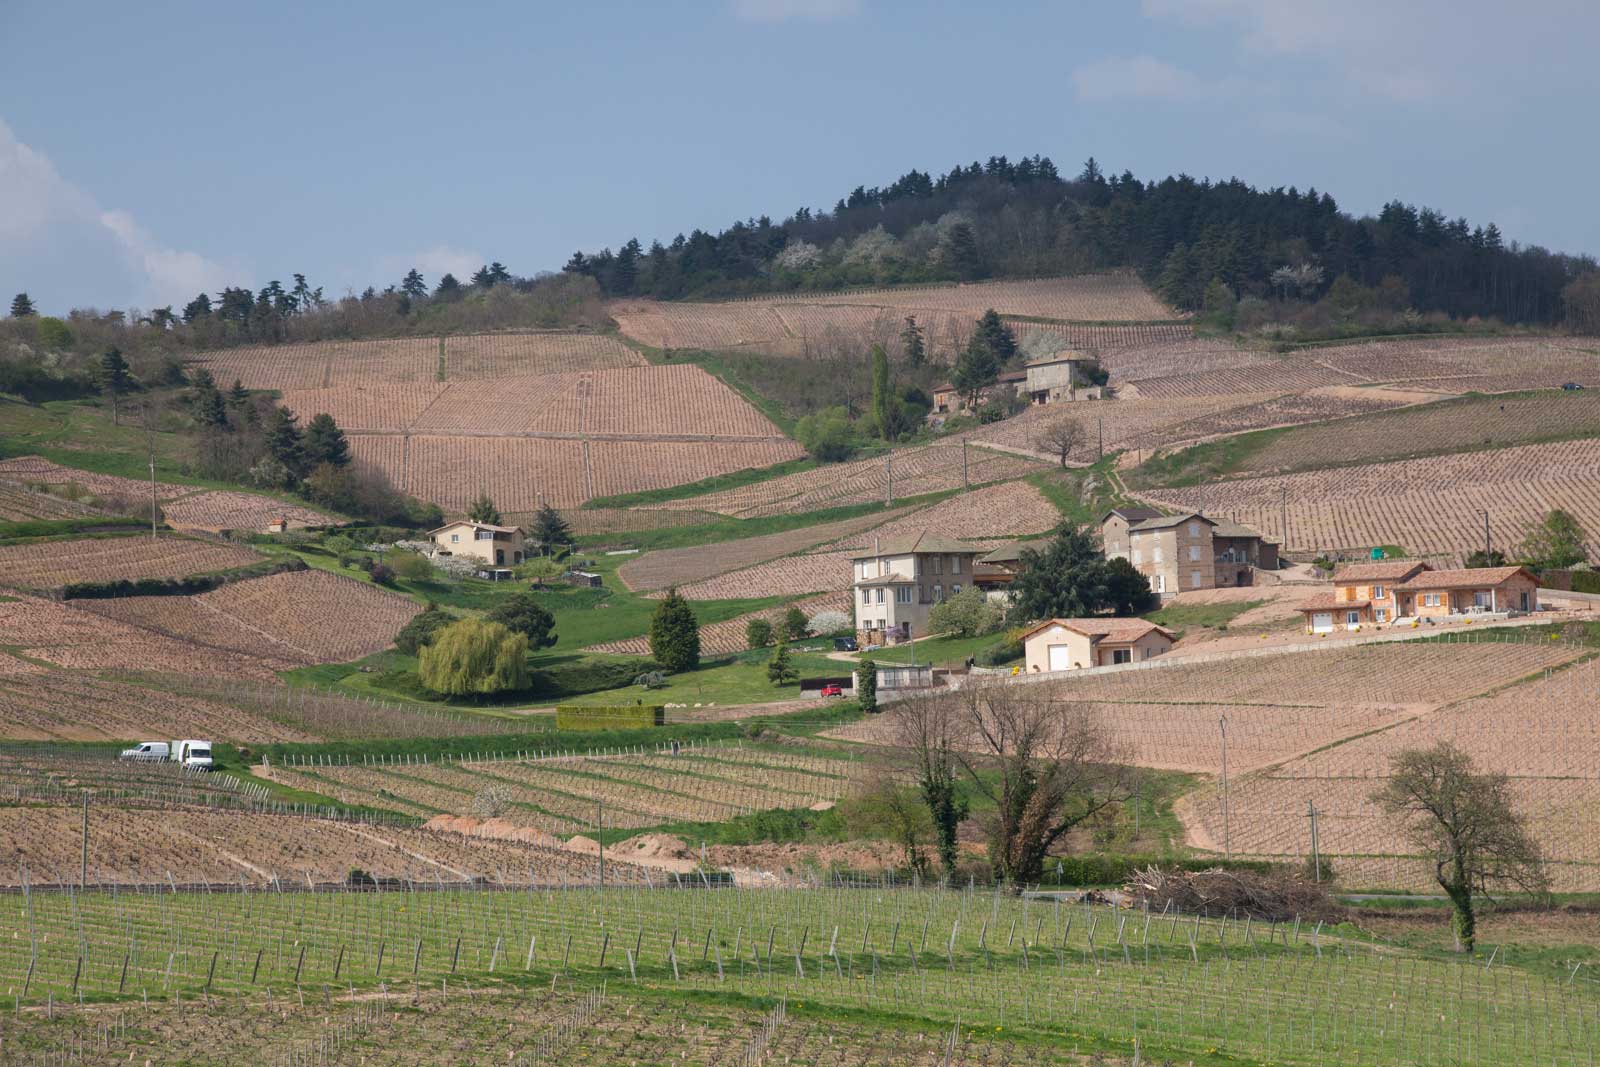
pixel 964 483
pixel 1102 447
pixel 1316 853
pixel 1227 838
pixel 1283 514
pixel 1488 546
pixel 888 477
pixel 600 837
pixel 150 440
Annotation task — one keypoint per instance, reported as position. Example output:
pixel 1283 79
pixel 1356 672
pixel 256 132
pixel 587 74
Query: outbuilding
pixel 1075 644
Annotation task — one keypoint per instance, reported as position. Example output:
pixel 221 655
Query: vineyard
pixel 681 566
pixel 19 503
pixel 73 706
pixel 323 616
pixel 903 473
pixel 560 794
pixel 218 510
pixel 52 564
pixel 1432 506
pixel 935 969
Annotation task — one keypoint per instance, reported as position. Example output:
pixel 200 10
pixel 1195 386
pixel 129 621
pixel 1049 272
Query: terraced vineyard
pixel 52 564
pixel 1432 506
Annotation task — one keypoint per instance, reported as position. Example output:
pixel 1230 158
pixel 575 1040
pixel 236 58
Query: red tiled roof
pixel 1393 570
pixel 1104 629
pixel 1331 602
pixel 1464 578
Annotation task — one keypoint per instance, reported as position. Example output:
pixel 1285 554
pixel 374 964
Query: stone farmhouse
pixel 1407 591
pixel 1060 376
pixel 1183 552
pixel 1073 644
pixel 498 546
pixel 898 582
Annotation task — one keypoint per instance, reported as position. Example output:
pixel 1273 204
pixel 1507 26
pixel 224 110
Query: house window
pixel 866 596
pixel 938 593
pixel 1194 553
pixel 1138 556
pixel 1122 655
pixel 1377 592
pixel 1383 614
pixel 938 564
pixel 1158 554
pixel 1194 529
pixel 1481 598
pixel 455 538
pixel 1353 618
pixel 902 594
pixel 1430 600
pixel 485 535
pixel 880 594
pixel 1194 579
pixel 955 564
pixel 955 589
pixel 1161 583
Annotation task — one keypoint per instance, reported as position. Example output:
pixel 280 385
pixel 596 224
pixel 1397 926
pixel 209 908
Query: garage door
pixel 1322 622
pixel 1060 658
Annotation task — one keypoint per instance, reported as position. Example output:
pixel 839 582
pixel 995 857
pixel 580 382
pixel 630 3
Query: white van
pixel 196 754
pixel 148 752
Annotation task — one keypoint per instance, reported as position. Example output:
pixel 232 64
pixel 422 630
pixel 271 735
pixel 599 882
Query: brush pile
pixel 1277 895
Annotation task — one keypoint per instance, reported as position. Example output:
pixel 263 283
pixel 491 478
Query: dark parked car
pixel 1571 387
pixel 844 644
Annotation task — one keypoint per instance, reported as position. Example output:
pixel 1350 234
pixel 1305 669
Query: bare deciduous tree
pixel 925 728
pixel 1466 824
pixel 1061 438
pixel 1048 766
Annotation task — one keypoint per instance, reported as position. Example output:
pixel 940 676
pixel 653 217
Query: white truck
pixel 192 753
pixel 148 752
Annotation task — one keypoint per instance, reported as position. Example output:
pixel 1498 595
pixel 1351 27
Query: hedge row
pixel 609 717
pixel 1586 581
pixel 189 585
pixel 57 527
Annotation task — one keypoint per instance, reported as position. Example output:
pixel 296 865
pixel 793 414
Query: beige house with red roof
pixel 500 546
pixel 1389 591
pixel 1073 644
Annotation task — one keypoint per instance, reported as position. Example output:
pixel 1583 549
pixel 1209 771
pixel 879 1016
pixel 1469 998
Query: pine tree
pixel 413 286
pixel 867 685
pixel 114 379
pixel 911 339
pixel 550 529
pixel 997 335
pixel 675 634
pixel 483 510
pixel 976 370
pixel 325 443
pixel 625 271
pixel 284 441
pixel 448 288
pixel 196 309
pixel 22 306
pixel 206 403
pixel 780 668
pixel 238 395
pixel 962 249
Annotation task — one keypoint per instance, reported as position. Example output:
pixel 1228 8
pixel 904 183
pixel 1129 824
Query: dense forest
pixel 1009 219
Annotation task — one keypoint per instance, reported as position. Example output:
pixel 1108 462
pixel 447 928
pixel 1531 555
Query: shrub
pixel 1003 651
pixel 411 566
pixel 380 573
pixel 794 624
pixel 521 614
pixel 867 686
pixel 492 801
pixel 417 634
pixel 651 680
pixel 758 633
pixel 828 435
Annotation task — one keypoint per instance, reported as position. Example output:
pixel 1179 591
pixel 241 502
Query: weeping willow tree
pixel 473 657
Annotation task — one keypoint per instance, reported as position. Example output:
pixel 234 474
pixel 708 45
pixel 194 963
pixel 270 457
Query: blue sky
pixel 150 150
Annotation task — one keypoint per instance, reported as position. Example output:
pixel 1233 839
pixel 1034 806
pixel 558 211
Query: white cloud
pixel 1136 78
pixel 785 10
pixel 46 221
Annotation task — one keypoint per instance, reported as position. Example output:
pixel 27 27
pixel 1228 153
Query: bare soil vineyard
pixel 325 617
pixel 74 706
pixel 906 472
pixel 19 503
pixel 1432 506
pixel 1109 297
pixel 679 566
pixel 222 510
pixel 500 355
pixel 51 564
pixel 1120 424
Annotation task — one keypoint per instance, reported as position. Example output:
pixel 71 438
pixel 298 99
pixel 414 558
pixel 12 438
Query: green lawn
pixel 739 680
pixel 939 651
pixel 1184 617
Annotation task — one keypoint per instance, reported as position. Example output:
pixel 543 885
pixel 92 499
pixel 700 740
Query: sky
pixel 152 150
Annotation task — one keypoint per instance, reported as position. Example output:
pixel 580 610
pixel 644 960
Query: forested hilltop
pixel 1009 219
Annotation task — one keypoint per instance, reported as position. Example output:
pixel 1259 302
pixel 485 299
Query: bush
pixel 794 624
pixel 521 614
pixel 758 633
pixel 651 680
pixel 380 573
pixel 828 435
pixel 417 634
pixel 609 717
pixel 492 801
pixel 867 686
pixel 1003 651
pixel 411 566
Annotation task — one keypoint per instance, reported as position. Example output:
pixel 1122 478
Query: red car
pixel 833 689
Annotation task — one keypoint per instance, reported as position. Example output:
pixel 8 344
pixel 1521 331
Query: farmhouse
pixel 1073 644
pixel 1404 590
pixel 948 400
pixel 1189 551
pixel 498 545
pixel 1057 377
pixel 899 581
pixel 1239 552
pixel 994 571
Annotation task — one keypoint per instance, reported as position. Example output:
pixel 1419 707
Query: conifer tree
pixel 115 379
pixel 325 443
pixel 911 339
pixel 675 634
pixel 483 510
pixel 22 306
